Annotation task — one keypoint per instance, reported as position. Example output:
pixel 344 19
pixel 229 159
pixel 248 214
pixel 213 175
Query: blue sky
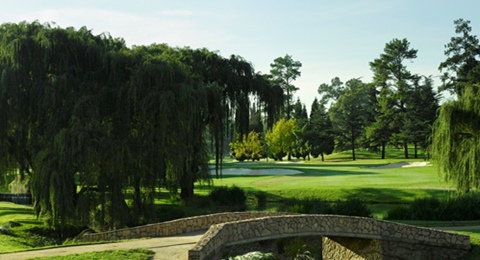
pixel 330 38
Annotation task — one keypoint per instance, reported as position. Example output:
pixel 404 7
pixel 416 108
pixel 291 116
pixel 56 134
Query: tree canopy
pixel 284 70
pixel 456 145
pixel 86 118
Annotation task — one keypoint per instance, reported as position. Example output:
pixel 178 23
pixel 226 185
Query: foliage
pixel 462 67
pixel 464 207
pixel 393 83
pixel 233 196
pixel 349 115
pixel 349 207
pixel 248 147
pixel 455 145
pixel 301 147
pixel 284 70
pixel 319 133
pixel 421 107
pixel 260 198
pixel 86 118
pixel 381 130
pixel 281 138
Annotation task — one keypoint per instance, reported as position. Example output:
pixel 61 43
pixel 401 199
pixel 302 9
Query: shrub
pixel 352 207
pixel 419 209
pixel 260 199
pixel 229 196
pixel 463 207
pixel 398 213
pixel 170 212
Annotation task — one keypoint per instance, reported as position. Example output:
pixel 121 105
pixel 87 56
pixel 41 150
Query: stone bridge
pixel 344 237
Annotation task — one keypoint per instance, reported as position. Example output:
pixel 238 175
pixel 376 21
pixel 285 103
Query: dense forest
pixel 88 121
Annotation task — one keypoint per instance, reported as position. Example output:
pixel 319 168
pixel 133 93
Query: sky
pixel 330 38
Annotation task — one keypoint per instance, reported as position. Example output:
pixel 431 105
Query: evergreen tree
pixel 421 105
pixel 284 71
pixel 390 72
pixel 301 147
pixel 319 132
pixel 349 115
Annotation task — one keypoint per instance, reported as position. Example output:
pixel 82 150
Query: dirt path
pixel 175 247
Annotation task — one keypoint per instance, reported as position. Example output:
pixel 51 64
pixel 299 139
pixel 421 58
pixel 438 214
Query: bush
pixel 464 207
pixel 398 213
pixel 350 207
pixel 170 212
pixel 229 196
pixel 260 199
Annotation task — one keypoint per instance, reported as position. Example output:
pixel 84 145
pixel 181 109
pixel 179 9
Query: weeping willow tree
pixel 99 127
pixel 456 132
pixel 456 140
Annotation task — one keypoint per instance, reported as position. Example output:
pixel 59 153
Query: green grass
pixel 335 179
pixel 22 237
pixel 340 180
pixel 19 213
pixel 140 254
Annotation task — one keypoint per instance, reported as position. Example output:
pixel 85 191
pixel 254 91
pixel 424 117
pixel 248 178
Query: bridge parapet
pixel 388 240
pixel 176 227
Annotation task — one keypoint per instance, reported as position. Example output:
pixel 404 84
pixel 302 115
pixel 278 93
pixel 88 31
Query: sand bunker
pixel 243 171
pixel 403 165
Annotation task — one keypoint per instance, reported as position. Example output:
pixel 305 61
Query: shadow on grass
pixel 15 211
pixel 305 172
pixel 294 165
pixel 395 196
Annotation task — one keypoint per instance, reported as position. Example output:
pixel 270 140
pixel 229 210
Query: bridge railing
pixel 176 227
pixel 219 236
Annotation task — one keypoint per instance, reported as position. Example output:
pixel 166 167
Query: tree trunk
pixel 353 146
pixel 218 137
pixel 187 182
pixel 323 157
pixel 288 104
pixel 405 149
pixel 383 149
pixel 416 150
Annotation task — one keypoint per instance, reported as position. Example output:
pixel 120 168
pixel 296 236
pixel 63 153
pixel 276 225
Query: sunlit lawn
pixel 339 180
pixel 140 254
pixel 21 214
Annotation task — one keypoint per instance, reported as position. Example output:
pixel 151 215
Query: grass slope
pixel 140 254
pixel 20 238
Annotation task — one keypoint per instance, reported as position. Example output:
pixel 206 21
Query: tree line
pixel 397 108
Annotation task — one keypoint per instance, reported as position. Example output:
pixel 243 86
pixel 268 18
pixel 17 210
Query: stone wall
pixel 351 248
pixel 176 227
pixel 369 230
